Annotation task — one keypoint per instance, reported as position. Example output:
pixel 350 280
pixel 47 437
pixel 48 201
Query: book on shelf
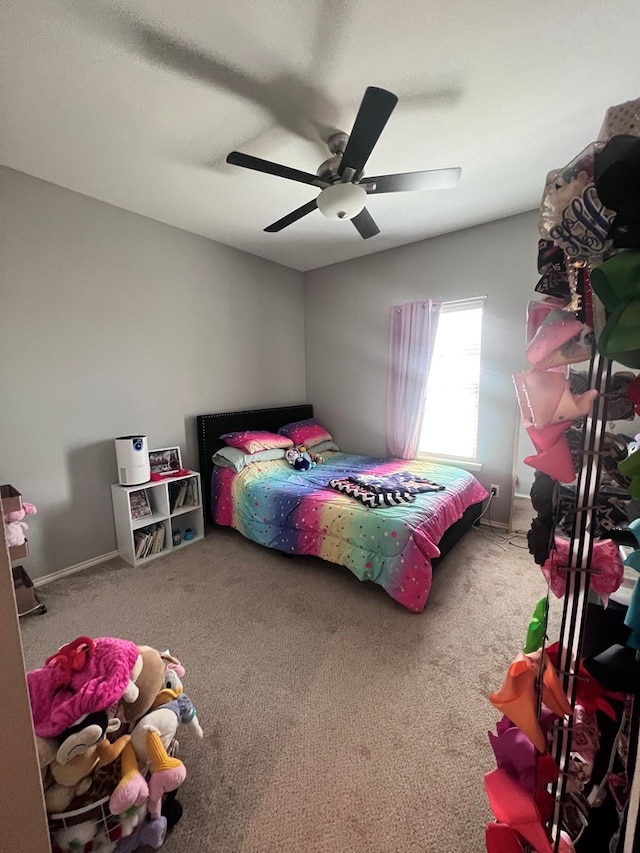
pixel 191 498
pixel 148 540
pixel 140 538
pixel 158 540
pixel 139 503
pixel 177 494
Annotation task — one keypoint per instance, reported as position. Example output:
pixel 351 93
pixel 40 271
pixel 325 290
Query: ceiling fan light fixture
pixel 342 201
pixel 344 189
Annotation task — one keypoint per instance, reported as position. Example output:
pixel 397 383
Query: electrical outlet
pixel 495 490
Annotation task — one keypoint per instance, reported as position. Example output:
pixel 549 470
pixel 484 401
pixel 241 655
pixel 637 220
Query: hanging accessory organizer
pixel 530 792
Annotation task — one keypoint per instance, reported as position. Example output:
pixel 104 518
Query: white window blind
pixel 450 423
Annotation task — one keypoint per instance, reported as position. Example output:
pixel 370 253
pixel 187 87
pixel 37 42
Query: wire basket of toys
pixel 106 713
pixel 93 829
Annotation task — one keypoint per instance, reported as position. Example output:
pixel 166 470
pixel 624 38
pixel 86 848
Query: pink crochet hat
pixel 82 677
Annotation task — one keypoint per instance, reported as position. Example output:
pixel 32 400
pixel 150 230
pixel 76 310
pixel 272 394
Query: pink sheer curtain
pixel 412 334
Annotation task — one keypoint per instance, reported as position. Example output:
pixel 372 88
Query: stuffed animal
pixel 299 458
pixel 69 757
pixel 149 832
pixel 19 514
pixel 62 783
pixel 77 752
pixel 157 713
pixel 93 687
pixel 15 533
pixel 15 527
pixel 76 837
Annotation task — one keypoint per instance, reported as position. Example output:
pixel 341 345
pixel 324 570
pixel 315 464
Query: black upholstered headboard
pixel 211 427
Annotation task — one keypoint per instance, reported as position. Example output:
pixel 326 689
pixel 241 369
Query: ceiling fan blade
pixel 292 217
pixel 269 168
pixel 434 179
pixel 365 224
pixel 375 109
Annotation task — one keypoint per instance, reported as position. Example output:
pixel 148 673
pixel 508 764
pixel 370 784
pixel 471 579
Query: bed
pixel 296 512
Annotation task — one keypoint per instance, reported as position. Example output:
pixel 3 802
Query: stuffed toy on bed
pixel 301 459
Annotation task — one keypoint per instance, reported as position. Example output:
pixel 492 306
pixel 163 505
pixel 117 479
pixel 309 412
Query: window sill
pixel 466 464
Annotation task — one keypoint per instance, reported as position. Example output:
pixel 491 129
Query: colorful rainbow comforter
pixel 296 512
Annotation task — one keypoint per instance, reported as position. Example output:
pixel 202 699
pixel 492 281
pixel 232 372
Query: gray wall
pixel 111 323
pixel 347 319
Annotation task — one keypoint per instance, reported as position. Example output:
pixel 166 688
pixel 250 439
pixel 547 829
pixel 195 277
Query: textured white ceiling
pixel 506 90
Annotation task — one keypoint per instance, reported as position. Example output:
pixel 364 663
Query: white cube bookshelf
pixel 166 514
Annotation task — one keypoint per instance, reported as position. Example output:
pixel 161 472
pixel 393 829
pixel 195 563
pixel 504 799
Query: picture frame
pixel 165 460
pixel 139 504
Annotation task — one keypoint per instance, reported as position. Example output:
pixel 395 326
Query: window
pixel 450 423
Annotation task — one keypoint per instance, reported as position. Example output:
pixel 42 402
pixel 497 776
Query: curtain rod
pixel 462 301
pixel 455 303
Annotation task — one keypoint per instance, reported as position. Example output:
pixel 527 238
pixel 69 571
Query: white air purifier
pixel 132 455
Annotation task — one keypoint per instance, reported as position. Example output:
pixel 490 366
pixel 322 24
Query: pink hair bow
pixel 544 398
pixel 605 566
pixel 560 339
pixel 553 456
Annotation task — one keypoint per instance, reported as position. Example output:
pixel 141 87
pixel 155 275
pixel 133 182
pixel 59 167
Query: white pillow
pixel 325 445
pixel 233 457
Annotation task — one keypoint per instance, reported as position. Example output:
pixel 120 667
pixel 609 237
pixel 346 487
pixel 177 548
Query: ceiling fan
pixel 344 187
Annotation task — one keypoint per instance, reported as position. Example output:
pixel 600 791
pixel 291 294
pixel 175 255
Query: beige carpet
pixel 335 721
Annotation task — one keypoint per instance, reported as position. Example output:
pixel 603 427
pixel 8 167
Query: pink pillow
pixel 308 432
pixel 251 441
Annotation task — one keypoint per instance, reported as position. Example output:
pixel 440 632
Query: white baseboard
pixel 71 570
pixel 519 495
